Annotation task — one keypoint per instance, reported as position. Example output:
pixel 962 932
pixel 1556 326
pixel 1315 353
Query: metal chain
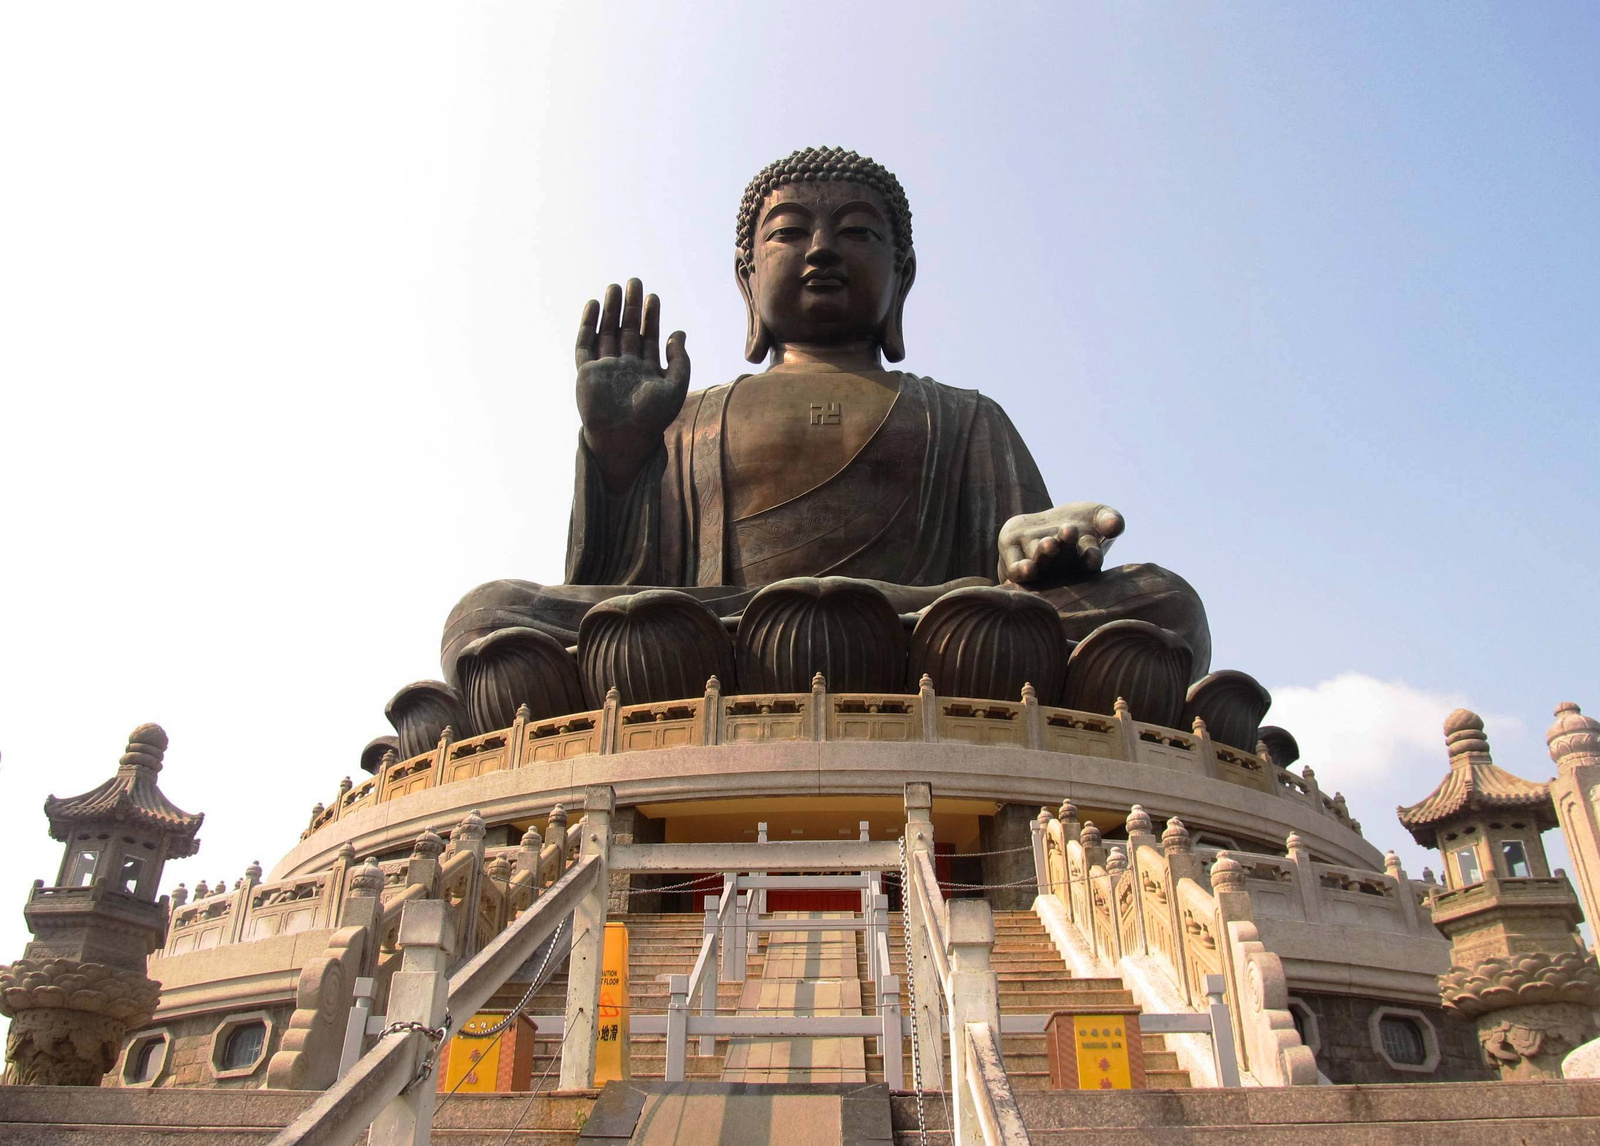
pixel 527 996
pixel 434 1034
pixel 911 991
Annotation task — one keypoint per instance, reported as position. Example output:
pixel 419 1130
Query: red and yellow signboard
pixel 494 1065
pixel 1097 1051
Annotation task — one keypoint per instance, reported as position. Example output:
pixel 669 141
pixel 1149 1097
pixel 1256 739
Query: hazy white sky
pixel 287 298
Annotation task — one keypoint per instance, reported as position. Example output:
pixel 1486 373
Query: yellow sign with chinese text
pixel 1102 1051
pixel 611 1044
pixel 474 1064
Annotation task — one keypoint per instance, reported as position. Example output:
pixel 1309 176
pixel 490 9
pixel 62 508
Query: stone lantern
pixel 81 984
pixel 1518 966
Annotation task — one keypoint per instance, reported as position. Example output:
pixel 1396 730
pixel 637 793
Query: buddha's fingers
pixel 586 334
pixel 1090 555
pixel 1108 523
pixel 650 341
pixel 677 367
pixel 632 312
pixel 609 320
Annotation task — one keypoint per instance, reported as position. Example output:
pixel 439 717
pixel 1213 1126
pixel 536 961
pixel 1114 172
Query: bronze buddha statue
pixel 824 464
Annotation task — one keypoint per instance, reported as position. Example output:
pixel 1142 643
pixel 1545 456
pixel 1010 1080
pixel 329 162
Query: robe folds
pixel 921 503
pixel 917 511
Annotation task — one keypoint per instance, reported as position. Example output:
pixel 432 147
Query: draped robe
pixel 918 511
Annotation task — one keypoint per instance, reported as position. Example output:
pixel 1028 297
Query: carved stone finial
pixel 613 696
pixel 925 684
pixel 1176 838
pixel 147 745
pixel 446 735
pixel 1428 876
pixel 558 815
pixel 1046 815
pixel 344 786
pixel 1121 710
pixel 390 759
pixel 470 830
pixel 1199 727
pixel 1139 821
pixel 367 880
pixel 1463 735
pixel 347 853
pixel 819 683
pixel 1030 695
pixel 498 869
pixel 1573 734
pixel 180 895
pixel 1306 774
pixel 531 839
pixel 1117 861
pixel 1226 874
pixel 1090 836
pixel 1293 843
pixel 713 684
pixel 1068 812
pixel 524 713
pixel 202 889
pixel 252 874
pixel 1391 863
pixel 429 845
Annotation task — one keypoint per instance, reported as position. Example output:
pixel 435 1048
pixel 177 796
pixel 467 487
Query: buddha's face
pixel 823 263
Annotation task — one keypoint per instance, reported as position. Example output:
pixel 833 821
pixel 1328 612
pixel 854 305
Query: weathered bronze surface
pixel 823 464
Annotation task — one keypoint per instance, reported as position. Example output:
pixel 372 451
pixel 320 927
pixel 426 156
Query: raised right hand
pixel 625 398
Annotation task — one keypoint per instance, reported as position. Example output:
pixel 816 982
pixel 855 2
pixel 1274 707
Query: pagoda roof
pixel 131 798
pixel 1475 784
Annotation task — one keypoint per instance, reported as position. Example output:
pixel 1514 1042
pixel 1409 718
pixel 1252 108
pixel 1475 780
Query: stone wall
pixel 1010 828
pixel 634 893
pixel 191 1044
pixel 1346 1053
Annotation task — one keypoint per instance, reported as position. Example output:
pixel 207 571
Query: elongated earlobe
pixel 757 338
pixel 893 336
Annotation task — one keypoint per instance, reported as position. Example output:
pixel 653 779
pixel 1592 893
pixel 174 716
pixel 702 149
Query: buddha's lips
pixel 824 280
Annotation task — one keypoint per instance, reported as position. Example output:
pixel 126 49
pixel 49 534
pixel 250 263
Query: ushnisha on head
pixel 824 255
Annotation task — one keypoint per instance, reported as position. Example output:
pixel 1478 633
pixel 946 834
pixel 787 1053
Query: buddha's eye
pixel 786 233
pixel 859 232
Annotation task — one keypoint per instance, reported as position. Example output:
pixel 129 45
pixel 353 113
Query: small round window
pixel 1402 1041
pixel 243 1047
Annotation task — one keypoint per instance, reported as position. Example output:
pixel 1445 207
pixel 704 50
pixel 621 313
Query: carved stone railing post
pixel 418 993
pixel 711 712
pixel 468 837
pixel 928 705
pixel 1038 832
pixel 1116 873
pixel 610 720
pixel 1208 749
pixel 581 1029
pixel 441 757
pixel 1128 735
pixel 918 932
pixel 1177 847
pixel 974 998
pixel 1403 888
pixel 553 856
pixel 338 804
pixel 819 707
pixel 519 737
pixel 1032 718
pixel 423 870
pixel 1068 814
pixel 1141 834
pixel 238 917
pixel 333 889
pixel 1094 856
pixel 1305 875
pixel 390 759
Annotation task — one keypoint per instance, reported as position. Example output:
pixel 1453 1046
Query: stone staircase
pixel 1034 981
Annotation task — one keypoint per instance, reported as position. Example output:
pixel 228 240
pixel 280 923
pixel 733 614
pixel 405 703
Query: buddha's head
pixel 825 254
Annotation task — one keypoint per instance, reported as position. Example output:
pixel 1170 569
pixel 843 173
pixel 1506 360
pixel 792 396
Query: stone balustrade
pixel 819 715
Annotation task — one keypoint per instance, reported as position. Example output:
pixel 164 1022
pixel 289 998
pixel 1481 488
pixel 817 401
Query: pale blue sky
pixel 287 301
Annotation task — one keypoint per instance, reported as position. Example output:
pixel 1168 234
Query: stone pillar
pixel 635 892
pixel 1010 828
pixel 1575 747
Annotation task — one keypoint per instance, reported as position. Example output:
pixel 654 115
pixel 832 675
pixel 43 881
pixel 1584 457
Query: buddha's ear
pixel 757 338
pixel 893 338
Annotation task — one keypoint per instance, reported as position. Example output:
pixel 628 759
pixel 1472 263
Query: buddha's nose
pixel 822 253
